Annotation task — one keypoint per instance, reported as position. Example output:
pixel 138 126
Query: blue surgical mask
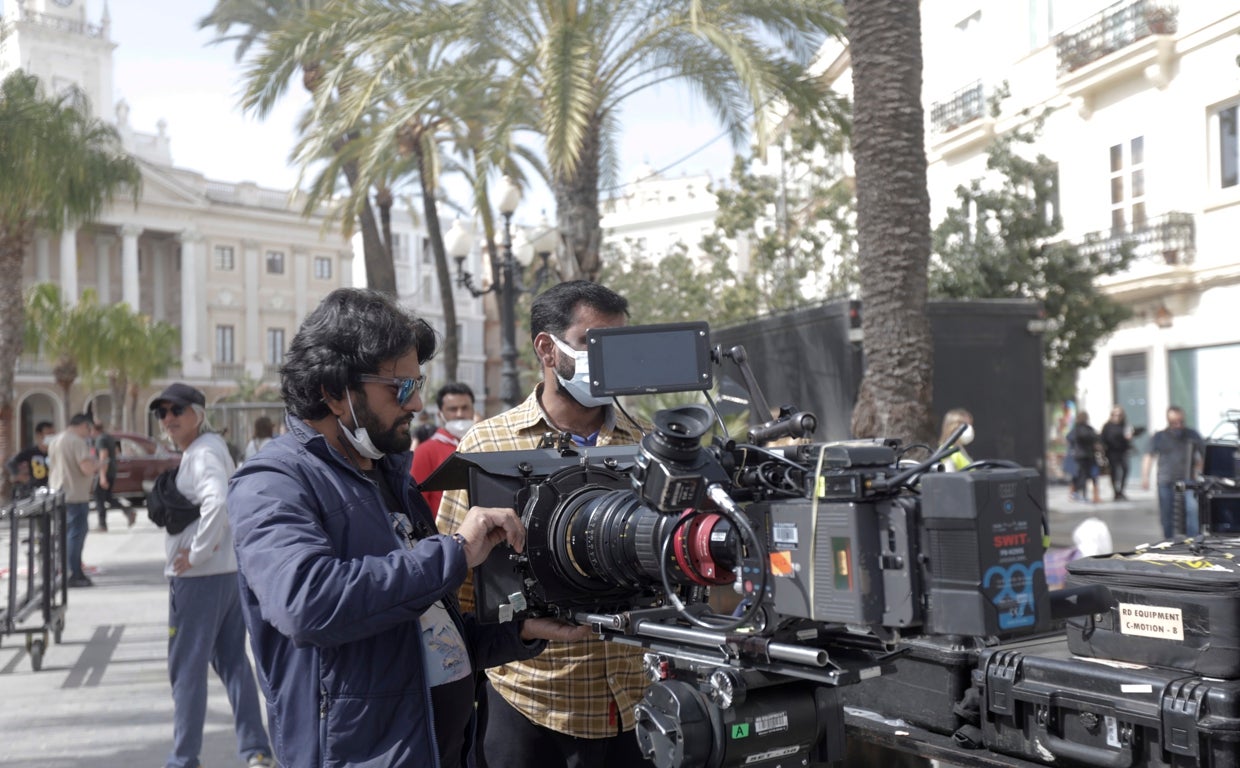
pixel 578 387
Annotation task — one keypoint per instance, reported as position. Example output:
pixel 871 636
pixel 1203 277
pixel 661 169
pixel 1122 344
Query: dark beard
pixel 388 440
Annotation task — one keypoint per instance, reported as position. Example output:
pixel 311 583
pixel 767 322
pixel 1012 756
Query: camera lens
pixel 609 537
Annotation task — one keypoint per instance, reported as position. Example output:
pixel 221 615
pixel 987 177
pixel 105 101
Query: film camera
pixel 836 549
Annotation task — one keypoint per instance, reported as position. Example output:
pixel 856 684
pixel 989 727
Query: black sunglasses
pixel 404 387
pixel 162 411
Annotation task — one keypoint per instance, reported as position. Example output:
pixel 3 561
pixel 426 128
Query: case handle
pixel 1081 753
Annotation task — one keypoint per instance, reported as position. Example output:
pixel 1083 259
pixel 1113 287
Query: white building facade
pixel 1142 103
pixel 235 266
pixel 653 215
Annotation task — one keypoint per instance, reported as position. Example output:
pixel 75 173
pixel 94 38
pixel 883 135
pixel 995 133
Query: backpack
pixel 167 507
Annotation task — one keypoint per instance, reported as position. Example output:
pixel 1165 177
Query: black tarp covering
pixel 987 358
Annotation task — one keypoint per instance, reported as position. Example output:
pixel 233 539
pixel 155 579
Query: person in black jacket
pixel 1116 442
pixel 1083 441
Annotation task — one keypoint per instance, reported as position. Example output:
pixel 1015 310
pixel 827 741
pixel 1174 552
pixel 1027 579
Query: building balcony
pixel 960 122
pixel 1131 37
pixel 1169 240
pixel 59 24
pixel 963 106
pixel 227 371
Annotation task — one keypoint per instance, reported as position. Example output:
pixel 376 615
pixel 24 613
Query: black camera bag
pixel 1177 605
pixel 167 507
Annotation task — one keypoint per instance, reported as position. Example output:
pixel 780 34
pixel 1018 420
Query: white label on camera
pixel 773 722
pixel 719 535
pixel 1112 731
pixel 1151 621
pixel 784 535
pixel 771 754
pixel 1144 688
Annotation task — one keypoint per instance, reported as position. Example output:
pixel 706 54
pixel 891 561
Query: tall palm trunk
pixel 430 212
pixel 576 203
pixel 118 384
pixel 12 314
pixel 893 219
pixel 377 252
pixel 65 373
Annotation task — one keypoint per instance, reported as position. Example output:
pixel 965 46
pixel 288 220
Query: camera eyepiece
pixel 677 435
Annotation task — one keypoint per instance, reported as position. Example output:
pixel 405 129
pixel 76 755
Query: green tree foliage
pixel 250 25
pixel 1001 242
pixel 59 166
pixel 72 335
pixel 796 227
pixel 133 351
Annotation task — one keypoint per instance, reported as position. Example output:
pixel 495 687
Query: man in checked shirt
pixel 572 706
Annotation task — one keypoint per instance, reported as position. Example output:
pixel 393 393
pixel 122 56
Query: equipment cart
pixel 37 563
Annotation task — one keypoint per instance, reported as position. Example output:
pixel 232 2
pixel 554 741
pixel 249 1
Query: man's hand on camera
pixel 484 527
pixel 554 629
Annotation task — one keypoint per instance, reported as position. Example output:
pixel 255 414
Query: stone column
pixel 68 265
pixel 193 363
pixel 42 258
pixel 252 261
pixel 103 268
pixel 159 271
pixel 129 266
pixel 301 284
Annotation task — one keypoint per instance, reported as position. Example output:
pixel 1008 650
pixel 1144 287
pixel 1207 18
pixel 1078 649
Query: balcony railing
pixel 227 371
pixel 60 24
pixel 1170 239
pixel 1116 28
pixel 962 107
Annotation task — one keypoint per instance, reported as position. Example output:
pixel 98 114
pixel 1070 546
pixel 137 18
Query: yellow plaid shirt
pixel 586 689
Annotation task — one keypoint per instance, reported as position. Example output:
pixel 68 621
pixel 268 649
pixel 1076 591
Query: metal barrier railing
pixel 37 567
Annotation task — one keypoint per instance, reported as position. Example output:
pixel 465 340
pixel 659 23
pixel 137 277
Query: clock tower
pixel 53 40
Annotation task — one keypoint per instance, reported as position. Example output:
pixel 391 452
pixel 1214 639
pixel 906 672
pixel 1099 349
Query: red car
pixel 141 459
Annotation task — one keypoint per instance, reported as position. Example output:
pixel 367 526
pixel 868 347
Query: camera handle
pixel 789 422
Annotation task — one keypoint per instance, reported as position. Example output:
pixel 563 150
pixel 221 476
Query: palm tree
pixel 61 167
pixel 407 104
pixel 71 334
pixel 583 60
pixel 133 350
pixel 154 354
pixel 893 219
pixel 255 21
pixel 576 63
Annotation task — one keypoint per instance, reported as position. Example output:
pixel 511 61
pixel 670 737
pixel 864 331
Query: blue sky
pixel 165 68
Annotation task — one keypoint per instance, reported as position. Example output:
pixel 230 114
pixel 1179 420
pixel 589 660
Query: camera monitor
pixel 649 359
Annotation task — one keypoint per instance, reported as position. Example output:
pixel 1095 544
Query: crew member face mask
pixel 578 387
pixel 359 439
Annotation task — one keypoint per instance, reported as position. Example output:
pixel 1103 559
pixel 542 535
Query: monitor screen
pixel 648 359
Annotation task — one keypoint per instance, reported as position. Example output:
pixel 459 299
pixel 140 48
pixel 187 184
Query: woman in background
pixel 1116 442
pixel 951 420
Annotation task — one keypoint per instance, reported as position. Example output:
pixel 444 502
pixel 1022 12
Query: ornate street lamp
pixel 516 256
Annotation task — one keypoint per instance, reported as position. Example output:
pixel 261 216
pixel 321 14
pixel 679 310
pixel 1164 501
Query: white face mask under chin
pixel 458 427
pixel 360 439
pixel 578 387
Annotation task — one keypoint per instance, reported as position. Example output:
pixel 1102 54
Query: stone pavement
pixel 102 698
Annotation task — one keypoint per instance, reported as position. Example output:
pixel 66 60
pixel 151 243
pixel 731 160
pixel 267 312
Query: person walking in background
pixel 951 420
pixel 1116 442
pixel 1083 442
pixel 28 468
pixel 106 451
pixel 456 413
pixel 72 469
pixel 1180 453
pixel 205 627
pixel 573 705
pixel 264 430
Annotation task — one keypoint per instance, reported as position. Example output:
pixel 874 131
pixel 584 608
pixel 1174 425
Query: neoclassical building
pixel 235 266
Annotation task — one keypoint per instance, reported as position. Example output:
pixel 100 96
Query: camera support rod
pixel 793 654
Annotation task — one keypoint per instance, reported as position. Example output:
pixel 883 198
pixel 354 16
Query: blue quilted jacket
pixel 332 598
